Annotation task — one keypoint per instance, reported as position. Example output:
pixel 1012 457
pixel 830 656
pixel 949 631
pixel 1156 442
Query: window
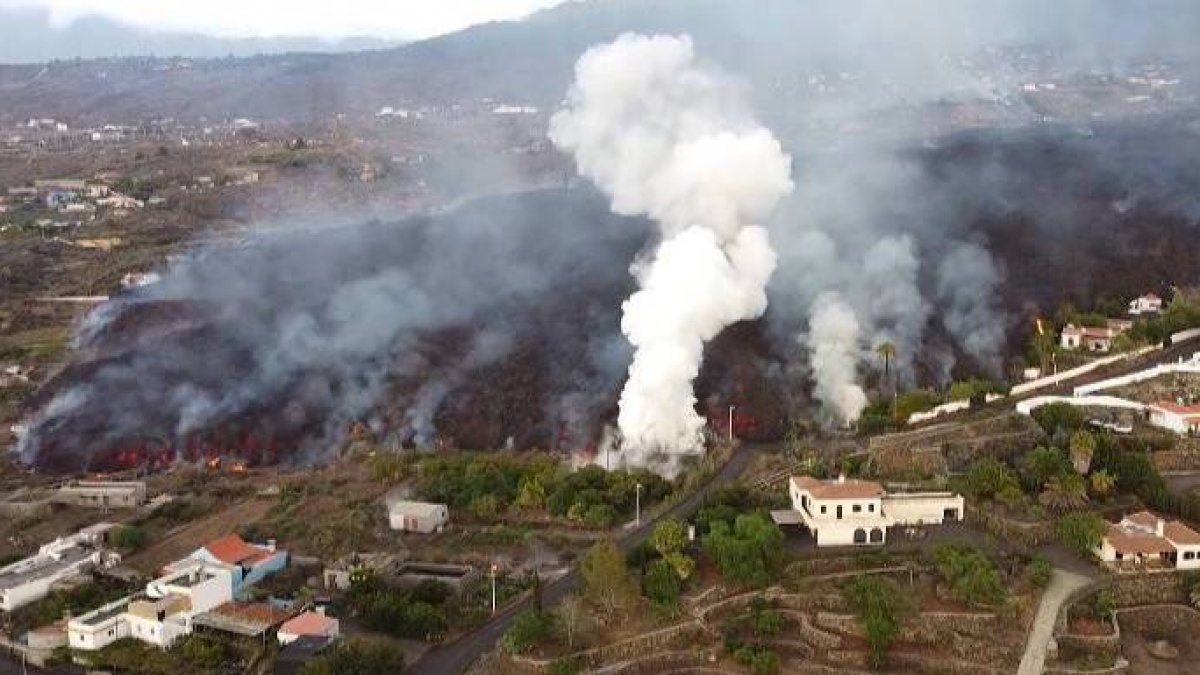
pixel 871 508
pixel 822 509
pixel 858 508
pixel 1189 555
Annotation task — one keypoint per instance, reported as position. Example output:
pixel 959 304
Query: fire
pixel 1041 330
pixel 214 463
pixel 238 467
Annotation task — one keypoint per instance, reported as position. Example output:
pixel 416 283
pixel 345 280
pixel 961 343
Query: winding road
pixel 456 657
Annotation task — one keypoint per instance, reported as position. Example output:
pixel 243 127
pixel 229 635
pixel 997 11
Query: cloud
pixel 398 19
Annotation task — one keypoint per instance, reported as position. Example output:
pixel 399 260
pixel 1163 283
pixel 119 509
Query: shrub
pixel 528 630
pixel 1040 572
pixel 358 656
pixel 972 576
pixel 768 623
pixel 661 585
pixel 747 552
pixel 990 477
pixel 1105 604
pixel 1082 531
pixel 128 538
pixel 1055 416
pixel 880 606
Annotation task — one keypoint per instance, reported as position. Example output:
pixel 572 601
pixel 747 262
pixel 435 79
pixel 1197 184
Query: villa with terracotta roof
pixel 849 512
pixel 1090 338
pixel 1145 539
pixel 1177 417
pixel 249 563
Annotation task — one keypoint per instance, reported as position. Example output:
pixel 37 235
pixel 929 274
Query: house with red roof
pixel 308 624
pixel 1183 419
pixel 1149 303
pixel 850 512
pixel 1145 539
pixel 1089 338
pixel 249 563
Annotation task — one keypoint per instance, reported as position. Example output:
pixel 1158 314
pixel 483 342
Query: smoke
pixel 834 341
pixel 967 283
pixel 666 137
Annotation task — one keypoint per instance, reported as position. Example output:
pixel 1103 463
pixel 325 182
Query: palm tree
pixel 1064 493
pixel 886 351
pixel 1103 483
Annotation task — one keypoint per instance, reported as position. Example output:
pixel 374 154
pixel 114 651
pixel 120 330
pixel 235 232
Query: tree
pixel 1055 416
pixel 532 494
pixel 1082 531
pixel 1083 447
pixel 972 576
pixel 1040 572
pixel 358 656
pixel 670 538
pixel 748 552
pixel 1064 493
pixel 1102 483
pixel 661 585
pixel 886 350
pixel 571 618
pixel 990 477
pixel 528 630
pixel 1042 464
pixel 606 580
pixel 880 606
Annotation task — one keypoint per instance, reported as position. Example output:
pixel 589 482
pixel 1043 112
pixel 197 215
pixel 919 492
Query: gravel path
pixel 1061 586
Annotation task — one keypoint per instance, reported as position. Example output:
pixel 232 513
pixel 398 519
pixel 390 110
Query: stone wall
pixel 1148 588
pixel 1159 619
pixel 1027 535
pixel 1071 646
pixel 1121 667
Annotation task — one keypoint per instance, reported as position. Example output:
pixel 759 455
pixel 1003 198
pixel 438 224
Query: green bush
pixel 1055 416
pixel 990 477
pixel 1040 572
pixel 880 606
pixel 662 585
pixel 972 576
pixel 1082 532
pixel 128 538
pixel 747 552
pixel 530 629
pixel 1105 604
pixel 358 656
pixel 768 623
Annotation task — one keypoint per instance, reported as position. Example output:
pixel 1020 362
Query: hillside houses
pixel 1145 539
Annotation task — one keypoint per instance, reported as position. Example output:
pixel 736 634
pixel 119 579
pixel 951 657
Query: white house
pixel 103 494
pixel 160 615
pixel 847 512
pixel 32 578
pixel 1088 338
pixel 423 517
pixel 1145 538
pixel 1147 304
pixel 1176 417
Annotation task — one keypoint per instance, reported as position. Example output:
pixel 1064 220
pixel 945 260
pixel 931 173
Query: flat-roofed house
pixel 31 579
pixel 160 615
pixel 103 494
pixel 423 517
pixel 849 512
pixel 1146 539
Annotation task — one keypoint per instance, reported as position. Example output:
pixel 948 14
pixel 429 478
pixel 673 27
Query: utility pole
pixel 493 588
pixel 731 409
pixel 638 512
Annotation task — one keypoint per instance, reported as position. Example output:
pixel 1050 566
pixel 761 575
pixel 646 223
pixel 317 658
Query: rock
pixel 1161 649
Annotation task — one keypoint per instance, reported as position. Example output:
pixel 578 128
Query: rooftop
pixel 233 550
pixel 308 623
pixel 40 566
pixel 243 618
pixel 419 509
pixel 1172 407
pixel 839 488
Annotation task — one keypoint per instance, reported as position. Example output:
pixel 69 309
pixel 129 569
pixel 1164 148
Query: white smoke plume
pixel 967 282
pixel 834 340
pixel 665 137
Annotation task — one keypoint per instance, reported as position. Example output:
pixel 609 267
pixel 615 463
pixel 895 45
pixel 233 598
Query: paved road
pixel 457 657
pixel 1062 584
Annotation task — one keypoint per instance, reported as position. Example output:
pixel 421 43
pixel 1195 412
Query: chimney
pixel 1158 526
pixel 841 478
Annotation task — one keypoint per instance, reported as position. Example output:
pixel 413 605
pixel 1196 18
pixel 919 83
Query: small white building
pixel 1146 539
pixel 1176 417
pixel 160 615
pixel 848 512
pixel 1149 303
pixel 31 579
pixel 103 494
pixel 423 517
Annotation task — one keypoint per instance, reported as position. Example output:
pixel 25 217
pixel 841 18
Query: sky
pixel 388 19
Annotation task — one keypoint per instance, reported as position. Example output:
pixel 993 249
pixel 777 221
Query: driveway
pixel 1062 584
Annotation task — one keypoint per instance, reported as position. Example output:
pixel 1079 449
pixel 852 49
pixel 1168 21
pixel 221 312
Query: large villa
pixel 850 512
